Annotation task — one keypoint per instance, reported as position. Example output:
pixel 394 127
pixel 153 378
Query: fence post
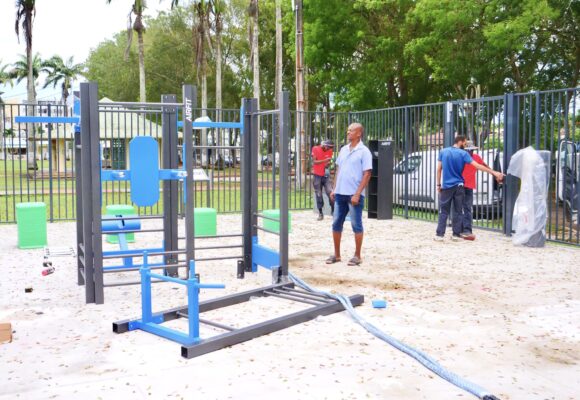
pixel 50 185
pixel 448 129
pixel 407 133
pixel 510 146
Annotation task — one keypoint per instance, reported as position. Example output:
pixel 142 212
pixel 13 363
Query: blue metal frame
pixel 152 323
pixel 264 256
pixel 49 120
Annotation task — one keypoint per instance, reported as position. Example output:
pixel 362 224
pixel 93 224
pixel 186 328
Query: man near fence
pixel 353 172
pixel 470 179
pixel 450 165
pixel 321 156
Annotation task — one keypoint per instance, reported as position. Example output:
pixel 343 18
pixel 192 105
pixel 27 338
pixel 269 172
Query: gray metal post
pixel 50 185
pixel 95 191
pixel 79 206
pixel 510 140
pixel 85 208
pixel 449 129
pixel 189 103
pixel 407 133
pixel 246 181
pixel 255 144
pixel 169 161
pixel 284 143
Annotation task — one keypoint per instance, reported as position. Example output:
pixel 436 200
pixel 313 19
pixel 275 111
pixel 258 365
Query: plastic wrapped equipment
pixel 530 211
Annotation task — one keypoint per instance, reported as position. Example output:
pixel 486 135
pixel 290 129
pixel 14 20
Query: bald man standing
pixel 353 172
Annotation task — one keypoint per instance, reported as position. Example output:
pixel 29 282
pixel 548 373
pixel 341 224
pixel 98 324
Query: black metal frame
pixel 319 305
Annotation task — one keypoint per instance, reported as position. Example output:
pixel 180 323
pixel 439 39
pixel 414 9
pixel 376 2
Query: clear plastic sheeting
pixel 530 211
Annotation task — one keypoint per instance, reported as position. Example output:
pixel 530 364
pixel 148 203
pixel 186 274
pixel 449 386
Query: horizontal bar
pixel 130 217
pixel 308 293
pixel 214 237
pixel 218 147
pixel 218 258
pixel 169 279
pixel 218 125
pixel 288 297
pixel 48 120
pixel 265 112
pixel 266 230
pixel 127 283
pixel 138 104
pixel 133 231
pixel 268 218
pixel 137 267
pixel 302 296
pixel 219 247
pixel 117 109
pixel 132 253
pixel 208 322
pixel 216 324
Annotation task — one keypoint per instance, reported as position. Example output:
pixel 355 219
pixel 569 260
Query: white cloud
pixel 67 28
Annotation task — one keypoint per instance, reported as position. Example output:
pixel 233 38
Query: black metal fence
pixel 38 159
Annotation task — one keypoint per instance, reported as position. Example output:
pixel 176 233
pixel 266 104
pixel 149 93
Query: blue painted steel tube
pixel 193 303
pixel 146 309
pixel 168 278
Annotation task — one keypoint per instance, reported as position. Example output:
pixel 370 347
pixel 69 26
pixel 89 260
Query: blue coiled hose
pixel 418 355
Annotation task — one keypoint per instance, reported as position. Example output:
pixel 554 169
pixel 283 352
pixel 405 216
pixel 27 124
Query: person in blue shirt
pixel 353 172
pixel 450 164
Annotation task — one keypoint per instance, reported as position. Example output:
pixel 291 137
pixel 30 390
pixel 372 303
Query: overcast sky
pixel 65 28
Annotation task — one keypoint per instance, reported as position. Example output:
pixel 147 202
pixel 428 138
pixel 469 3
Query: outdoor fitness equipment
pixel 144 176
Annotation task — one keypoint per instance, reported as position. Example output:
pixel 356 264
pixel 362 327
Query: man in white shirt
pixel 353 172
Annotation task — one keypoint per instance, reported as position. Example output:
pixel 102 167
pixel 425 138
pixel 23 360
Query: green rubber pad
pixel 205 221
pixel 31 221
pixel 275 225
pixel 125 210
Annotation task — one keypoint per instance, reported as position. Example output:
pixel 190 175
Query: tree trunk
pixel 256 69
pixel 142 90
pixel 300 147
pixel 278 86
pixel 31 110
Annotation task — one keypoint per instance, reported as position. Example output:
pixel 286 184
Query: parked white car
pixel 418 173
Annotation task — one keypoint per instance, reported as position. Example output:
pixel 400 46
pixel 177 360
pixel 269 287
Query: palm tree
pixel 61 72
pixel 218 9
pixel 137 26
pixel 300 96
pixel 200 34
pixel 25 12
pixel 20 69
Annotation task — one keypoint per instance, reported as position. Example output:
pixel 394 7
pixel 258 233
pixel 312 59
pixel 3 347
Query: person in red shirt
pixel 470 178
pixel 321 156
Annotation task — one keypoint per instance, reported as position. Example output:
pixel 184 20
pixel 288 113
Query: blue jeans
pixel 468 212
pixel 453 195
pixel 342 206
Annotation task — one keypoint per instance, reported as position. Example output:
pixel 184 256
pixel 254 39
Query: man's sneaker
pixel 456 238
pixel 439 238
pixel 320 217
pixel 468 236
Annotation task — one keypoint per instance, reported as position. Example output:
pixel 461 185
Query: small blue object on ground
pixel 379 304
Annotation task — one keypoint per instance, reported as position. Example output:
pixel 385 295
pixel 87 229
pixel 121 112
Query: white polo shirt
pixel 351 165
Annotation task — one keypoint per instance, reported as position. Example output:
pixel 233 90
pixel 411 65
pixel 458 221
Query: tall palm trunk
pixel 300 98
pixel 140 28
pixel 31 109
pixel 255 58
